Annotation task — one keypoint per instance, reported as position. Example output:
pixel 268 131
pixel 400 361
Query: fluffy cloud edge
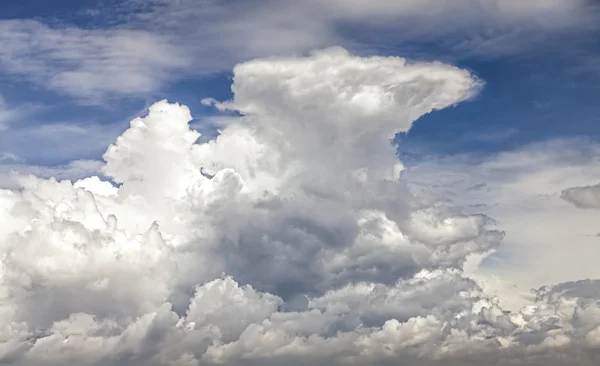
pixel 274 256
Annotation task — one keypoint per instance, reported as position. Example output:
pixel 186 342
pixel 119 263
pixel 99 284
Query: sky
pixel 273 182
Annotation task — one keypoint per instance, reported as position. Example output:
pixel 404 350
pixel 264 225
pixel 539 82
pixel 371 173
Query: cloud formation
pixel 583 197
pixel 548 240
pixel 88 64
pixel 291 237
pixel 142 46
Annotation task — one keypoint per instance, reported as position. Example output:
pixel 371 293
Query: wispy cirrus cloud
pixel 88 64
pixel 10 114
pixel 147 45
pixel 54 142
pixel 7 115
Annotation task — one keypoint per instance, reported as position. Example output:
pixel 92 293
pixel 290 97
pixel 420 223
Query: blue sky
pixel 541 75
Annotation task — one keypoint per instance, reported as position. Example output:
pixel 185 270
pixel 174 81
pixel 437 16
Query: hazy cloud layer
pixel 548 239
pixel 291 238
pixel 10 114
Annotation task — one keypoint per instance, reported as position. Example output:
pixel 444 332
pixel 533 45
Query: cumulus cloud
pixel 290 238
pixel 12 169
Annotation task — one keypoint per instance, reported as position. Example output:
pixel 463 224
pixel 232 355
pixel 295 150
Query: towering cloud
pixel 289 238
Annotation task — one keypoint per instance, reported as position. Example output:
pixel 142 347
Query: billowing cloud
pixel 290 238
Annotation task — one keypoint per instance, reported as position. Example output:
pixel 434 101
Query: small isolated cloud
pixel 303 246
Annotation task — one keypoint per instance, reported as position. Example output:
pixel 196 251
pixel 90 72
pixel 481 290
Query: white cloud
pixel 8 157
pixel 303 245
pixel 548 240
pixel 77 169
pixel 151 44
pixel 88 64
pixel 463 28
